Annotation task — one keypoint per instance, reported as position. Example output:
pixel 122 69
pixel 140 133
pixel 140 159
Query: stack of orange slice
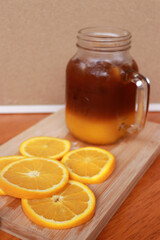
pixel 49 198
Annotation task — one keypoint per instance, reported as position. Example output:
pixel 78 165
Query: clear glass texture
pixel 106 96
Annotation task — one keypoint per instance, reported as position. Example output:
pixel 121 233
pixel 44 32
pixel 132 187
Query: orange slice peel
pixel 48 147
pixel 33 178
pixel 4 161
pixel 73 206
pixel 89 164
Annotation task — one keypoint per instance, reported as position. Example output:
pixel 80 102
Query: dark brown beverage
pixel 100 91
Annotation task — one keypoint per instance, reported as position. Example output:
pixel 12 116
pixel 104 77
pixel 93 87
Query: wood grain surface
pixel 138 217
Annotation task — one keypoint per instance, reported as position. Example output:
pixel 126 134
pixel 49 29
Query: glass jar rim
pixel 108 38
pixel 105 32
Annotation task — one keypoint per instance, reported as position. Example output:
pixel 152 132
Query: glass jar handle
pixel 142 101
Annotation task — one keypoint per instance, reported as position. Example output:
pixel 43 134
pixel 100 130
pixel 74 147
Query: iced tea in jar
pixel 106 96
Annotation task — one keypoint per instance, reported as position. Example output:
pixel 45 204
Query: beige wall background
pixel 37 38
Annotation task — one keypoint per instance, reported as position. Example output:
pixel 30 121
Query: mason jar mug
pixel 106 96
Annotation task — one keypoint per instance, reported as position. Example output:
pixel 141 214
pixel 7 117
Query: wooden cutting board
pixel 133 157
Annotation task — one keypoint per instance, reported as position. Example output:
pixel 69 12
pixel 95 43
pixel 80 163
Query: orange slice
pixel 4 161
pixel 33 178
pixel 47 147
pixel 73 206
pixel 89 164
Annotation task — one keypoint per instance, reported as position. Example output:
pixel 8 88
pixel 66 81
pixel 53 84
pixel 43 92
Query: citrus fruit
pixel 4 161
pixel 2 193
pixel 71 207
pixel 33 178
pixel 48 147
pixel 89 164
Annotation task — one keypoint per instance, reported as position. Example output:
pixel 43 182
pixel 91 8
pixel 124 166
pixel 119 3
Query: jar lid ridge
pixel 105 39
